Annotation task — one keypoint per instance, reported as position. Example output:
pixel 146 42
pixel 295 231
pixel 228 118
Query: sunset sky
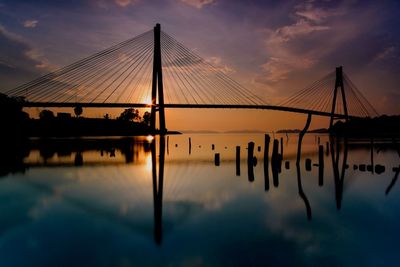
pixel 273 48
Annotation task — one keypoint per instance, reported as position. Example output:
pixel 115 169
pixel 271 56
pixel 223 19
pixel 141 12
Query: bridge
pixel 153 70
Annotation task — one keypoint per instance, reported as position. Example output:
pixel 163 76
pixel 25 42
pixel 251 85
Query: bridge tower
pixel 157 85
pixel 338 84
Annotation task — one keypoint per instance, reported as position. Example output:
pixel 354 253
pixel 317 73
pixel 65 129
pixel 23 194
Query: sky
pixel 274 48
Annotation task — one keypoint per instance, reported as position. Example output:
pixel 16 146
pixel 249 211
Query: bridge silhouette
pixel 153 70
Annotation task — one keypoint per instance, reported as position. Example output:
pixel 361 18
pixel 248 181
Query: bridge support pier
pixel 157 86
pixel 338 84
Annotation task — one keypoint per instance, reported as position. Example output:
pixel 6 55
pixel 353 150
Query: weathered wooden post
pixel 216 159
pixel 267 139
pixel 237 160
pixel 250 160
pixel 190 146
pixel 275 163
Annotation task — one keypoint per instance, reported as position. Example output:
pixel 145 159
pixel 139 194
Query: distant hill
pixel 321 130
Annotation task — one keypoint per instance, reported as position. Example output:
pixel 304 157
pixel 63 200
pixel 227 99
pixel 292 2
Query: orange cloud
pixel 198 3
pixel 124 3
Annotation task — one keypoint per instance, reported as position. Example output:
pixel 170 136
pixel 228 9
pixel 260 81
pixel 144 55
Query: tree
pixel 46 114
pixel 129 114
pixel 146 118
pixel 78 111
pixel 107 116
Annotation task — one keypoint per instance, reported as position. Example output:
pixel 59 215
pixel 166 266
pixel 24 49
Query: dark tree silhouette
pixel 129 114
pixel 46 114
pixel 78 110
pixel 146 118
pixel 14 121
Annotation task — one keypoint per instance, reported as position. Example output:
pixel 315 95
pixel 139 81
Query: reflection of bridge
pixel 122 75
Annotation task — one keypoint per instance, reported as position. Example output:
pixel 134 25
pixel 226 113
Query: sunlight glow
pixel 147 100
pixel 149 163
pixel 150 138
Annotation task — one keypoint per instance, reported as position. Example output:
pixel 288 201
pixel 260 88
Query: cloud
pixel 217 63
pixel 18 60
pixel 298 29
pixel 198 3
pixel 125 3
pixel 299 45
pixel 387 53
pixel 30 23
pixel 317 14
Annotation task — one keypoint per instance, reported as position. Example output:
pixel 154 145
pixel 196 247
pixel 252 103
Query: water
pixel 104 202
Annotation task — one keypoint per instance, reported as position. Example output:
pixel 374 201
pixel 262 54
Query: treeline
pixel 16 123
pixel 365 127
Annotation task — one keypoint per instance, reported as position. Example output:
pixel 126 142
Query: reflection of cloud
pixel 198 3
pixel 30 23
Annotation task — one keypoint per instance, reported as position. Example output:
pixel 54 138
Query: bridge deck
pixel 183 106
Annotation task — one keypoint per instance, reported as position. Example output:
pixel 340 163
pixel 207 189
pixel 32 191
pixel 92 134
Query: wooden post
pixel 190 145
pixel 216 159
pixel 237 160
pixel 308 165
pixel 267 139
pixel 250 160
pixel 275 163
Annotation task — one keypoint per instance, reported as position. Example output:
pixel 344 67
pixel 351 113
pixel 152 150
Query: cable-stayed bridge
pixel 156 71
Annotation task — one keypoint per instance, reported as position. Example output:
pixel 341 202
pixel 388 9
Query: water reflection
pixel 172 197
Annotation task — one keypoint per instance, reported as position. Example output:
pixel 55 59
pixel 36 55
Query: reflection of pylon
pixel 158 186
pixel 157 84
pixel 339 83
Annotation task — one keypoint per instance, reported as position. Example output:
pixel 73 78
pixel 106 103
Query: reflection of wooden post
pixel 301 192
pixel 250 160
pixel 321 165
pixel 237 160
pixel 266 161
pixel 393 182
pixel 372 155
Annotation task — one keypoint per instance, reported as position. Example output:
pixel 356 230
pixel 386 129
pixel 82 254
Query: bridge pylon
pixel 338 84
pixel 157 85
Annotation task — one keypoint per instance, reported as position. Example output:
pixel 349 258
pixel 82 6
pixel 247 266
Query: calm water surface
pixel 129 202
